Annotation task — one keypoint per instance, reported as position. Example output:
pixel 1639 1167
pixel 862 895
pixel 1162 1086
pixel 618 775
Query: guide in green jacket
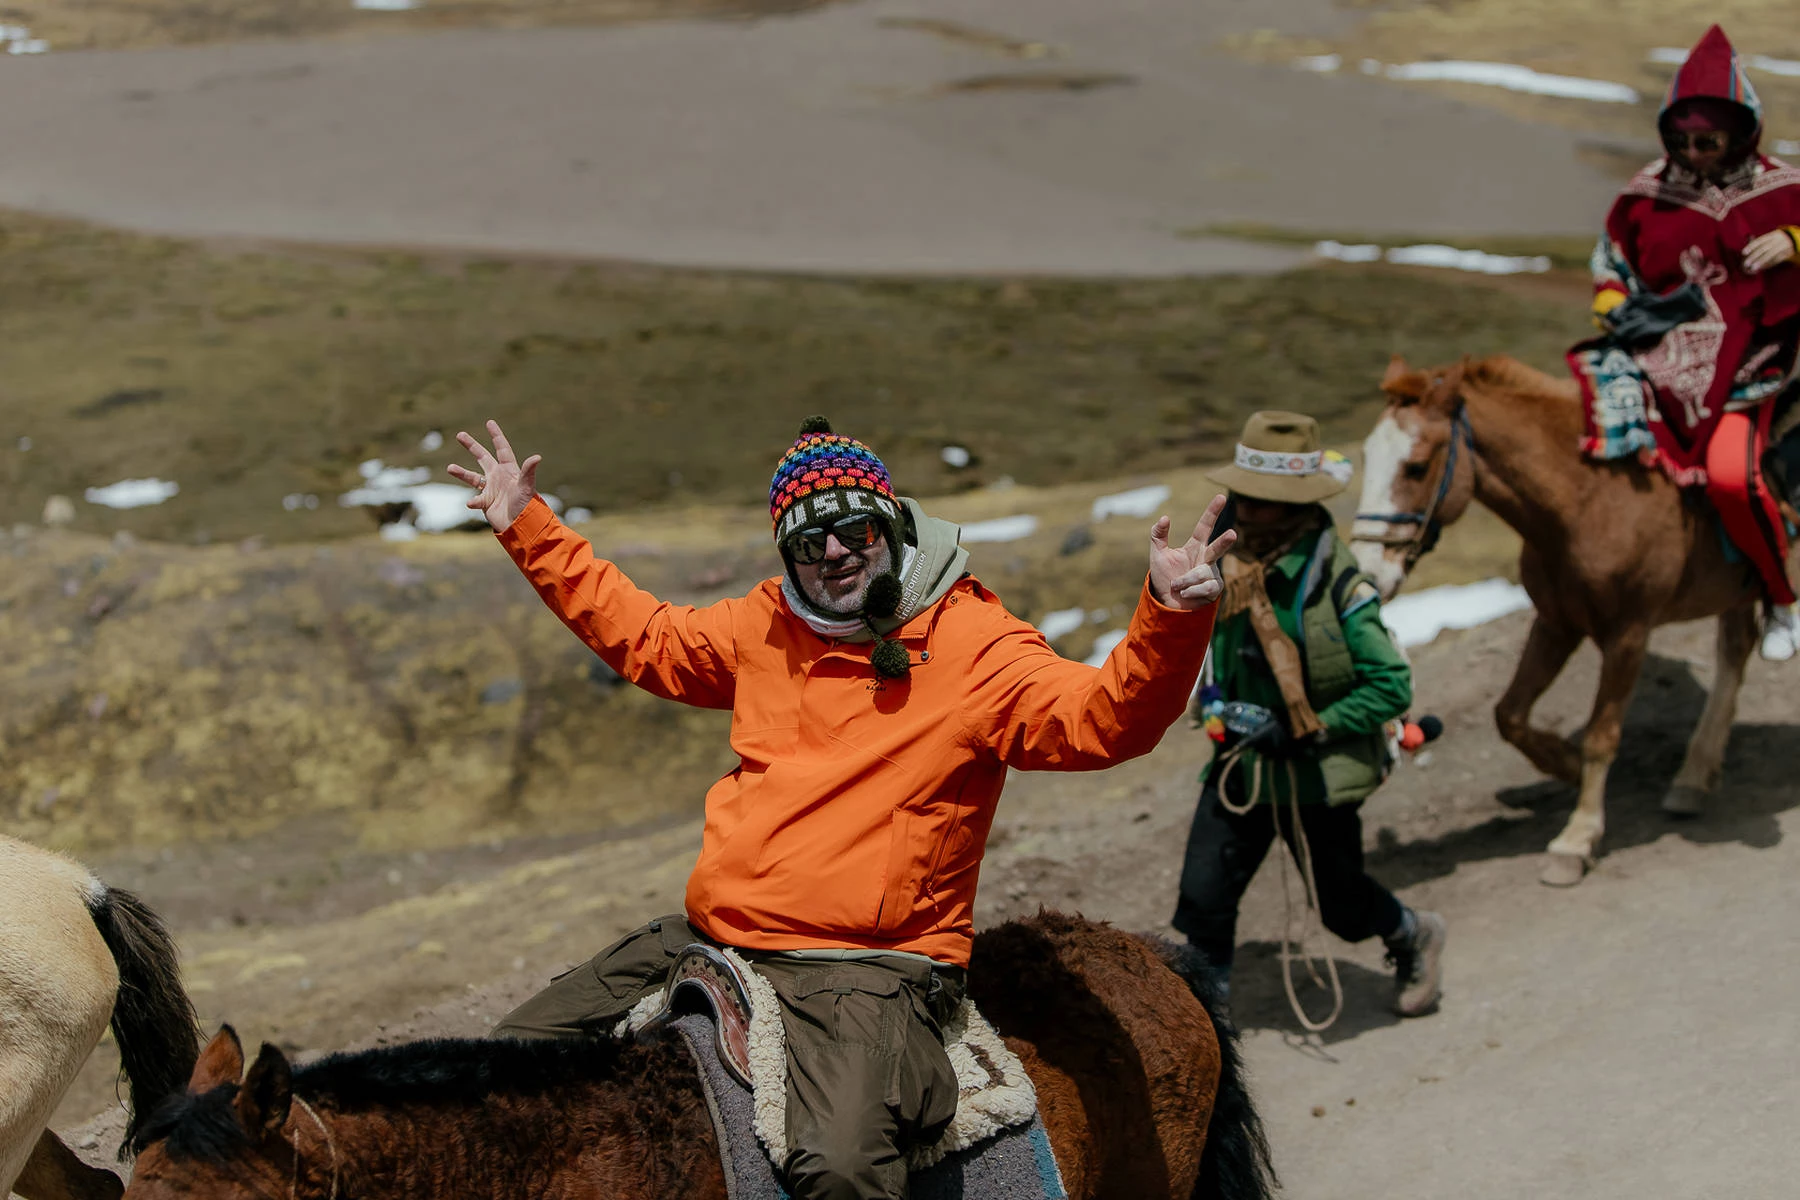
pixel 1309 677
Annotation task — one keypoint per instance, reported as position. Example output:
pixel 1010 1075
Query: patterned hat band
pixel 1279 462
pixel 824 508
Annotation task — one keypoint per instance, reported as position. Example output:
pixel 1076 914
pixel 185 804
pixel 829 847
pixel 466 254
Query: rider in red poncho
pixel 1697 294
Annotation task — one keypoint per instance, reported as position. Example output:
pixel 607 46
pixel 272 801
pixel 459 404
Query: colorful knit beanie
pixel 825 477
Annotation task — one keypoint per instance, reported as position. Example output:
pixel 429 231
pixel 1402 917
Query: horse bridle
pixel 1418 531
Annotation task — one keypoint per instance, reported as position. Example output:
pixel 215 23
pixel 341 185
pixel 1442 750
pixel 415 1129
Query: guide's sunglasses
pixel 855 534
pixel 1705 143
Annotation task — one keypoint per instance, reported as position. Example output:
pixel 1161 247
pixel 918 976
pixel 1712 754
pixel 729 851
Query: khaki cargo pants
pixel 867 1072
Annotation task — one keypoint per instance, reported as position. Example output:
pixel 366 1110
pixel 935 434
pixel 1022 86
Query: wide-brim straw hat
pixel 1278 458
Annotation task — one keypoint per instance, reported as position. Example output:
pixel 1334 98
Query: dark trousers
pixel 867 1073
pixel 1224 850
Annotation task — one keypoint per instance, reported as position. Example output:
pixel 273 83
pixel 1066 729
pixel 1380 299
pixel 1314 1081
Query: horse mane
pixel 1505 371
pixel 458 1071
pixel 441 1072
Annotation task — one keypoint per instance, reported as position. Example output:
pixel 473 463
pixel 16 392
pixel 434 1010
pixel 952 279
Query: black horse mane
pixel 440 1072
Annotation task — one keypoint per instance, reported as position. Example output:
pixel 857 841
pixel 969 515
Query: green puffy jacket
pixel 1357 679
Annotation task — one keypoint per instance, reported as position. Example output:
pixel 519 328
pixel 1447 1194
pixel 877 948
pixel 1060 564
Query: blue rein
pixel 1427 526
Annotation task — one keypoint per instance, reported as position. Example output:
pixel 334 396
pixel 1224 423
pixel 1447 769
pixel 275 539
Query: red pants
pixel 1734 484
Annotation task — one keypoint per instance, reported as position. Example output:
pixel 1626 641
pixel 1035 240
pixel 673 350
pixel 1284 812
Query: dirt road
pixel 1631 1037
pixel 932 136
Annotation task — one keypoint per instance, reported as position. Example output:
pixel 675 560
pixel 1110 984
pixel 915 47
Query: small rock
pixel 956 457
pixel 1318 1110
pixel 1077 540
pixel 502 691
pixel 89 1142
pixel 97 706
pixel 602 675
pixel 58 510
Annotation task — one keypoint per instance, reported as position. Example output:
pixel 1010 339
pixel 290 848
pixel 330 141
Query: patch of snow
pixel 437 507
pixel 1672 55
pixel 24 444
pixel 440 507
pixel 132 493
pixel 1775 66
pixel 555 502
pixel 1103 646
pixel 431 441
pixel 386 5
pixel 29 46
pixel 1783 146
pixel 379 476
pixel 577 515
pixel 1480 262
pixel 1513 78
pixel 1417 617
pixel 399 531
pixel 1431 254
pixel 955 456
pixel 1061 623
pixel 1001 529
pixel 1322 63
pixel 1138 502
pixel 1362 252
pixel 1369 66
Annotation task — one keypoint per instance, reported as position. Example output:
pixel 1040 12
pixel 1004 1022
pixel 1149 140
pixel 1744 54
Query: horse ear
pixel 1447 384
pixel 1403 383
pixel 220 1063
pixel 268 1092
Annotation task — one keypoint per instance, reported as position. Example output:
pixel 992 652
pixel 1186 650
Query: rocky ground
pixel 1656 995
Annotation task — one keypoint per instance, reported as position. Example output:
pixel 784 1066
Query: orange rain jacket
pixel 860 810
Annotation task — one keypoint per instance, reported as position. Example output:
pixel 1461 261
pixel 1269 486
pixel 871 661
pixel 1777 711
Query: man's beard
pixel 879 560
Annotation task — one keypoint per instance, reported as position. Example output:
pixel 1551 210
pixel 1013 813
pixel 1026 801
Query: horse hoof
pixel 1684 801
pixel 1563 870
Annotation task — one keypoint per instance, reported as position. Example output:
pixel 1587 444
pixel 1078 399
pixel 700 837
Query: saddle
pixel 705 981
pixel 729 1018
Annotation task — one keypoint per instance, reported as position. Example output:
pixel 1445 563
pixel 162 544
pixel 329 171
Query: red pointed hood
pixel 1712 71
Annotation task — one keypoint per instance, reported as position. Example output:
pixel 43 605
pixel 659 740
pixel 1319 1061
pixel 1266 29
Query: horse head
pixel 225 1137
pixel 1418 471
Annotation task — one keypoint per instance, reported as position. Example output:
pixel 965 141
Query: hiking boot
pixel 1417 963
pixel 1780 633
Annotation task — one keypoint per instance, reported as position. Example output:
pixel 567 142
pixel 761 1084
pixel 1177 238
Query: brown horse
pixel 75 956
pixel 1612 550
pixel 1137 1080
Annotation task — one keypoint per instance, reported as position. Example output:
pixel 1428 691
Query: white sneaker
pixel 1781 633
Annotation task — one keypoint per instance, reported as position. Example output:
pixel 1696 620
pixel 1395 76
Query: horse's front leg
pixel 1699 772
pixel 1547 651
pixel 1574 850
pixel 53 1172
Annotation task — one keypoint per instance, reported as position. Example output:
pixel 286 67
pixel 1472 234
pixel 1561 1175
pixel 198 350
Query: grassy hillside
pixel 248 374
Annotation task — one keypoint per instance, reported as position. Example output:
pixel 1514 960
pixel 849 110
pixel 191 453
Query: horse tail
pixel 1235 1164
pixel 153 1020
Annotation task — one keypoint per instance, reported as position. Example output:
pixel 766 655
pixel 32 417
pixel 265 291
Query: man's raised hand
pixel 503 486
pixel 1184 576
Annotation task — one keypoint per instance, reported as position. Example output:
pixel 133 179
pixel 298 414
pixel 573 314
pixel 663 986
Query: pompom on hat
pixel 825 477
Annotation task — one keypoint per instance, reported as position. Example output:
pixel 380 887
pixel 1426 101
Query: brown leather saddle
pixel 704 981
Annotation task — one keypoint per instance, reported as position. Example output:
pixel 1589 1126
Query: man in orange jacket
pixel 878 696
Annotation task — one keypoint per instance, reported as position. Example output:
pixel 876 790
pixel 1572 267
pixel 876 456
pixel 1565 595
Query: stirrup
pixel 703 979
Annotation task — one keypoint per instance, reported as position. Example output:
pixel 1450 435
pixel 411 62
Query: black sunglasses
pixel 1705 143
pixel 856 534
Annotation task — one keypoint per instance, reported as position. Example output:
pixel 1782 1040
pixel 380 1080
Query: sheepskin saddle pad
pixel 994 1149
